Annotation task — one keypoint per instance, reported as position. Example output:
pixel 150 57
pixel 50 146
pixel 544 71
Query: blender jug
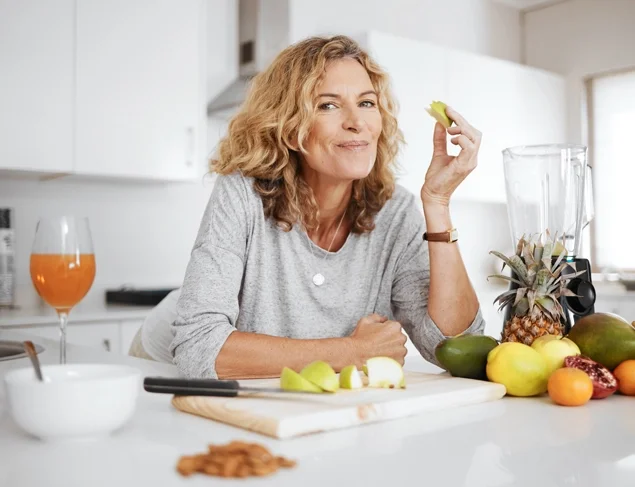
pixel 545 187
pixel 545 192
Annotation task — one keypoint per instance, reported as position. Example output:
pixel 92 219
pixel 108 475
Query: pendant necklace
pixel 318 278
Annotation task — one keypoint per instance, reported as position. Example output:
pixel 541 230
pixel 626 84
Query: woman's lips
pixel 354 146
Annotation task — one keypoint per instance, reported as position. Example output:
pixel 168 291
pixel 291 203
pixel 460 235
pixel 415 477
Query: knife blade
pixel 208 387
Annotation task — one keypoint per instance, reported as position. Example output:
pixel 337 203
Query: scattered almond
pixel 234 460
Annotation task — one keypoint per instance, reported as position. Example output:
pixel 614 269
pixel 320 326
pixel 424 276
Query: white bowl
pixel 76 401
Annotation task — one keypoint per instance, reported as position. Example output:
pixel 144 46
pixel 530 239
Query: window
pixel 612 133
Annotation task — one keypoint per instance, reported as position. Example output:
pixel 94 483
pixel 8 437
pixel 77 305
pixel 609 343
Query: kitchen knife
pixel 208 387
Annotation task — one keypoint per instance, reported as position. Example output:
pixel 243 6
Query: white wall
pixel 479 26
pixel 580 38
pixel 143 232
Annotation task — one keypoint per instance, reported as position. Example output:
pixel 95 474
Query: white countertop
pixel 83 312
pixel 513 441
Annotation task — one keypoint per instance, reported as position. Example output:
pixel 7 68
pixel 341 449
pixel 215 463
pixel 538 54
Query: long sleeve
pixel 208 306
pixel 411 287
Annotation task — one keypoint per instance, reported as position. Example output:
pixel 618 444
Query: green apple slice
pixel 322 375
pixel 437 111
pixel 350 379
pixel 385 372
pixel 290 380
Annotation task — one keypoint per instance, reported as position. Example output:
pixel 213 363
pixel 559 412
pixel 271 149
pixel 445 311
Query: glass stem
pixel 63 322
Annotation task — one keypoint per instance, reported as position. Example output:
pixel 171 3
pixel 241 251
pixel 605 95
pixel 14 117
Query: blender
pixel 548 191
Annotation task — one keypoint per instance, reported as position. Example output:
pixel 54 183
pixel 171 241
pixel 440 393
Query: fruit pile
pixel 594 360
pixel 319 376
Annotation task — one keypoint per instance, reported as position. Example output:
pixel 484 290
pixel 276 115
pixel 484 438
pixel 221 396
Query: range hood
pixel 263 31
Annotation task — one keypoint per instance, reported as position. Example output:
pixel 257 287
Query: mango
pixel 465 355
pixel 604 337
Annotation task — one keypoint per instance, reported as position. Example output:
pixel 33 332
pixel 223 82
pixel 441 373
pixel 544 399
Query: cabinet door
pixel 103 336
pixel 139 104
pixel 36 85
pixel 511 105
pixel 416 71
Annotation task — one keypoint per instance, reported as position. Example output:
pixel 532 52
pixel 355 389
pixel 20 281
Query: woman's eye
pixel 326 106
pixel 368 104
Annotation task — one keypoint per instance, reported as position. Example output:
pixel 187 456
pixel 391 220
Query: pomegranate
pixel 604 383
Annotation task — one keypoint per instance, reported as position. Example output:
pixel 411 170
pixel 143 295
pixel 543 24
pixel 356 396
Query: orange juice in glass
pixel 62 266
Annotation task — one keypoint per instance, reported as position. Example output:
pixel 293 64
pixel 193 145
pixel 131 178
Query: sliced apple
pixel 350 379
pixel 290 380
pixel 385 372
pixel 437 111
pixel 322 375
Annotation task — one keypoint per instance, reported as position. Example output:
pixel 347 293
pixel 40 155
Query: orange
pixel 625 375
pixel 570 387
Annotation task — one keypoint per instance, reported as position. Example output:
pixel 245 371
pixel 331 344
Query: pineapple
pixel 537 286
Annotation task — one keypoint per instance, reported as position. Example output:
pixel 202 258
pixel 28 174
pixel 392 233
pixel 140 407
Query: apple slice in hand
pixel 385 372
pixel 437 111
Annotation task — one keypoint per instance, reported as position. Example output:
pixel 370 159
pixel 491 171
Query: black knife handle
pixel 191 387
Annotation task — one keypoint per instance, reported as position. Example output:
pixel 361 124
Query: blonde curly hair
pixel 277 116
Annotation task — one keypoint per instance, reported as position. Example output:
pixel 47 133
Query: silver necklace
pixel 318 278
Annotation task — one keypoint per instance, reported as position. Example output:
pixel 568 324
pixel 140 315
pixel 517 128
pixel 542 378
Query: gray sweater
pixel 247 274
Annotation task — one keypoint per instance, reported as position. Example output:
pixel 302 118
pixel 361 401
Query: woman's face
pixel 342 142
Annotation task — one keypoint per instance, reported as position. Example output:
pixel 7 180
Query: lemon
pixel 554 349
pixel 290 380
pixel 322 375
pixel 521 369
pixel 349 378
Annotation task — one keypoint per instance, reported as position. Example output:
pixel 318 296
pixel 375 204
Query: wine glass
pixel 62 266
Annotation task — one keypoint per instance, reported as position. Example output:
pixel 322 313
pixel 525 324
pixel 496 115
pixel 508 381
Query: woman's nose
pixel 353 121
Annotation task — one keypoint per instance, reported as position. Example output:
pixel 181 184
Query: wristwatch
pixel 448 236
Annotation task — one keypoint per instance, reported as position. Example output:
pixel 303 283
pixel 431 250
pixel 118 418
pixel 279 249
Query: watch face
pixel 454 235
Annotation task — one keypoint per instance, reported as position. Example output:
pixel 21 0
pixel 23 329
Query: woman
pixel 307 249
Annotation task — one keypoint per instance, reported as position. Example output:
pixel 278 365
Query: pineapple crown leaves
pixel 540 283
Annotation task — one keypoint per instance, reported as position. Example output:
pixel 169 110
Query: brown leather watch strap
pixel 448 236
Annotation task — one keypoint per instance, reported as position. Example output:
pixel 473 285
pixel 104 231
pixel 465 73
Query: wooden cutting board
pixel 288 416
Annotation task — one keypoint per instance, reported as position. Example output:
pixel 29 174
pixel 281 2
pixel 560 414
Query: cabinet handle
pixel 190 146
pixel 106 344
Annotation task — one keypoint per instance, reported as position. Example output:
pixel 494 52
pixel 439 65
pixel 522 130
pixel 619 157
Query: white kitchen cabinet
pixel 511 105
pixel 104 336
pixel 36 85
pixel 139 104
pixel 416 73
pixel 621 304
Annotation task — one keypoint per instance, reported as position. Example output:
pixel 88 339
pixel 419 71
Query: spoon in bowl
pixel 30 350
